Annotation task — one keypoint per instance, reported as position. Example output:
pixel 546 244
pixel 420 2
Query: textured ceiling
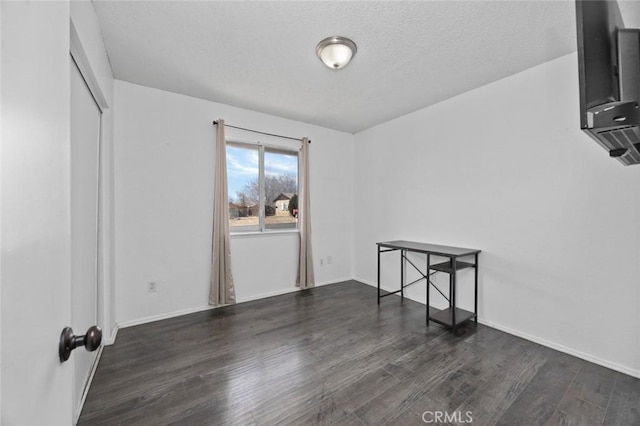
pixel 261 55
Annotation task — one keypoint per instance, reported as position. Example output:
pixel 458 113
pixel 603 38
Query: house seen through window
pixel 262 186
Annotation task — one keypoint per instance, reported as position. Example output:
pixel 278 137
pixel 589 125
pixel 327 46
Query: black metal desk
pixel 453 316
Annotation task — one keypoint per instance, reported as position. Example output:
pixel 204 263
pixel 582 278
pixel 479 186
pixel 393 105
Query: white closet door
pixel 85 142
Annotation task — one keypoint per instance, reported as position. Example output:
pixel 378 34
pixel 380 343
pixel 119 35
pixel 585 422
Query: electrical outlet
pixel 152 287
pixel 321 261
pixel 329 260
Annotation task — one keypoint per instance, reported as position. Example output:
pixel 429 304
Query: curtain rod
pixel 215 123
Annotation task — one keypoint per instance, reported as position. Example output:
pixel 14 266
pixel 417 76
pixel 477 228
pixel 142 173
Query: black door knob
pixel 93 338
pixel 68 341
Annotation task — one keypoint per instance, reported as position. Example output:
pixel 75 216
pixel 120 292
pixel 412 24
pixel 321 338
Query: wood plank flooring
pixel 331 355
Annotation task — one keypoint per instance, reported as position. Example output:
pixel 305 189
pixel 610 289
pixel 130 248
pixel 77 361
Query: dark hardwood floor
pixel 330 355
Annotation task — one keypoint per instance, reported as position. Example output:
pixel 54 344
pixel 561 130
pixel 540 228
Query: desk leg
pixel 453 293
pixel 476 290
pixel 402 265
pixel 378 275
pixel 428 285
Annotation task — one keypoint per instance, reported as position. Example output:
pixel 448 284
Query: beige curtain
pixel 222 291
pixel 305 277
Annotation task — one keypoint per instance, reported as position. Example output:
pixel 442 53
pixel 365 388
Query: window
pixel 262 186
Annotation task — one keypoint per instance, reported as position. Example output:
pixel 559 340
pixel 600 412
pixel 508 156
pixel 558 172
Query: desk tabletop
pixel 439 250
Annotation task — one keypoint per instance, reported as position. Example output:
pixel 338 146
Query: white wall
pixel 36 295
pixel 505 169
pixel 164 157
pixel 86 24
pixel 1 399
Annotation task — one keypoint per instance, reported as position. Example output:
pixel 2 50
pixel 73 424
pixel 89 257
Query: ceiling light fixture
pixel 336 52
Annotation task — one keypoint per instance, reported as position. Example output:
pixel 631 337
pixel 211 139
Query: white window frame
pixel 262 229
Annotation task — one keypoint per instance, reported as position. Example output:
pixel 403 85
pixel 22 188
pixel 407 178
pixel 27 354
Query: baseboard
pixel 570 351
pixel 389 289
pixel 85 391
pixel 544 342
pixel 111 339
pixel 334 281
pixel 265 295
pixel 188 311
pixel 160 317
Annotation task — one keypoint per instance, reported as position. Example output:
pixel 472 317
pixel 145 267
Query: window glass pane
pixel 243 186
pixel 280 188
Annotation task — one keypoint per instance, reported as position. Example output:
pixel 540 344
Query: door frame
pixel 104 265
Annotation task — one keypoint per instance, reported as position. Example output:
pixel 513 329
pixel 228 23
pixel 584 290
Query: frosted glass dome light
pixel 336 52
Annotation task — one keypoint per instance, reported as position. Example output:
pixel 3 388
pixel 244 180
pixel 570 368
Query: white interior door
pixel 85 143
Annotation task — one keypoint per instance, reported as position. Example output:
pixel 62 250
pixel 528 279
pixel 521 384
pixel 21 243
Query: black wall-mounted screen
pixel 597 23
pixel 608 70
